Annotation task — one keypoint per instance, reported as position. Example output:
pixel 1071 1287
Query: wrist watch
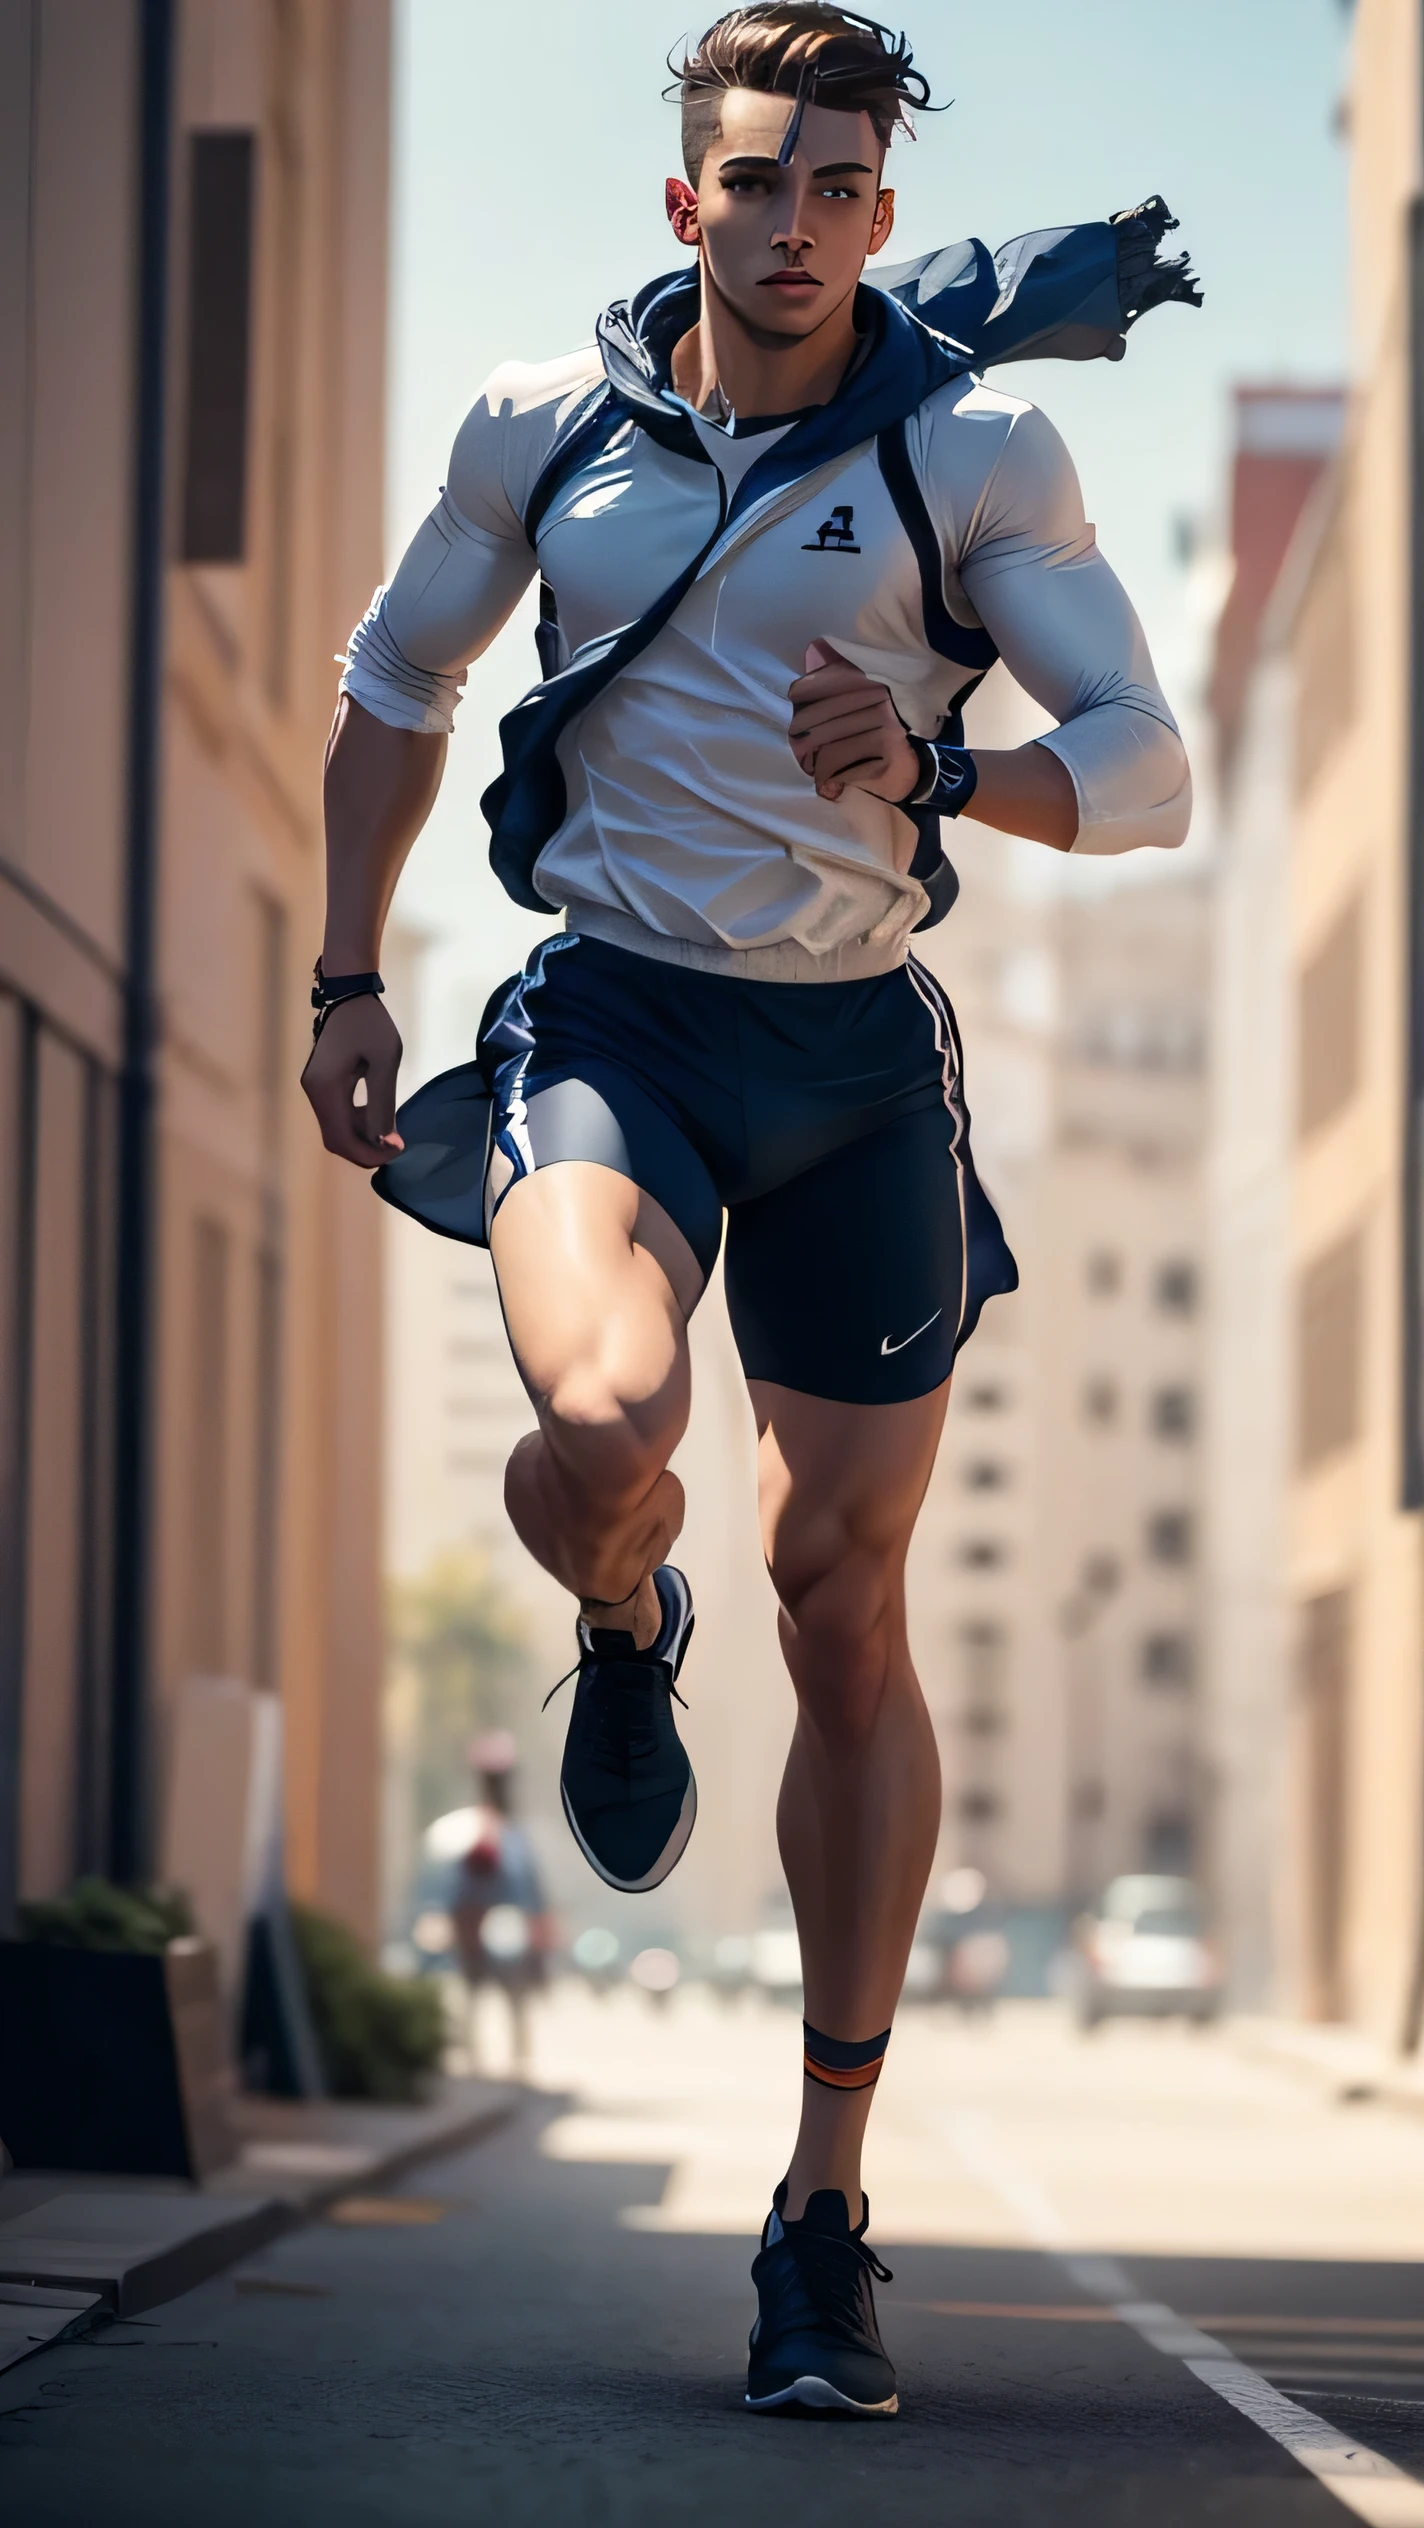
pixel 947 780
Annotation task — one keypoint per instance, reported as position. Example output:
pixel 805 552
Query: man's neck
pixel 756 371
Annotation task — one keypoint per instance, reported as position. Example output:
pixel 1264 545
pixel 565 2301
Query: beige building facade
pixel 1055 1577
pixel 192 309
pixel 1351 1946
pixel 1318 1399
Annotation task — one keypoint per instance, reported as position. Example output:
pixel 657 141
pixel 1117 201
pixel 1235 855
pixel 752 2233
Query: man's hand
pixel 358 1042
pixel 845 731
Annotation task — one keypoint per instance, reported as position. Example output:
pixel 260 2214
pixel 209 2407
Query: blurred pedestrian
pixel 504 1930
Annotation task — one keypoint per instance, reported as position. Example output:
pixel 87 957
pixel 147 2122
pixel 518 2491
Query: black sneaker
pixel 627 1786
pixel 816 2344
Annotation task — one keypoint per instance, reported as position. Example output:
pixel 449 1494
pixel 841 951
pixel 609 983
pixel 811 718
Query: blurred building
pixel 192 332
pixel 1357 1226
pixel 1283 494
pixel 1055 1578
pixel 1322 984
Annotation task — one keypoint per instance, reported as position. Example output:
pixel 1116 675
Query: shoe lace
pixel 569 1675
pixel 869 2258
pixel 559 1685
pixel 834 2279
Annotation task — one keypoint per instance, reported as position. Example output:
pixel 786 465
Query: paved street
pixel 549 2328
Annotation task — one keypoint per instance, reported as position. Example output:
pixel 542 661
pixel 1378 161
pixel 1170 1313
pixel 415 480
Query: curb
pixel 132 2251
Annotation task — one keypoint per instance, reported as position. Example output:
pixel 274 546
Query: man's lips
pixel 790 281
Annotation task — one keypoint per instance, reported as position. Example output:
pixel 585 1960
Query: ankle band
pixel 838 2065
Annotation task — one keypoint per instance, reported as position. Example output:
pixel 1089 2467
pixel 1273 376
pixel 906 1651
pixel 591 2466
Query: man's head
pixel 788 108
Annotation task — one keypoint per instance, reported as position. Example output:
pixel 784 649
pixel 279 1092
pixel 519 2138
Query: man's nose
pixel 796 230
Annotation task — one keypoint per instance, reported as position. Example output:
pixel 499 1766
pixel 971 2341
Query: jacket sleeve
pixel 1028 563
pixel 466 567
pixel 1054 294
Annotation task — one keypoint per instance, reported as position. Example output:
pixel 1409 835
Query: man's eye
pixel 839 193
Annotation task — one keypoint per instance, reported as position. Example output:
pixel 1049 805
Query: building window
pixel 1174 1287
pixel 1168 1843
pixel 983 1665
pixel 1167 1661
pixel 1330 1024
pixel 1328 1338
pixel 1100 1401
pixel 985 1474
pixel 1174 1413
pixel 1169 1536
pixel 221 187
pixel 979 1807
pixel 982 1553
pixel 1326 1664
pixel 1101 1574
pixel 1103 1273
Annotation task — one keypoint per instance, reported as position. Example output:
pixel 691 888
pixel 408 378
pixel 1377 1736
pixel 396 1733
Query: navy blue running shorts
pixel 826 1121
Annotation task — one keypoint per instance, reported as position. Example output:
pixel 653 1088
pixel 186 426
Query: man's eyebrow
pixel 843 167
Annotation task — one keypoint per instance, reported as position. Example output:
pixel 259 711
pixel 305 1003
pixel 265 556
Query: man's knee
pixel 603 1445
pixel 842 1604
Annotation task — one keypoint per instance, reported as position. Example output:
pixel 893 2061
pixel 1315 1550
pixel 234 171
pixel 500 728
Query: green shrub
pixel 95 1914
pixel 377 2034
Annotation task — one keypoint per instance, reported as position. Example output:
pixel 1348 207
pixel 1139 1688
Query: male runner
pixel 782 528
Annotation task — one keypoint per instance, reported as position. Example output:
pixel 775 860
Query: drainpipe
pixel 128 1835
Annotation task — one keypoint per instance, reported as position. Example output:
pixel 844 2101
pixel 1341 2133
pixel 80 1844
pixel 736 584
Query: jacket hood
pixel 903 361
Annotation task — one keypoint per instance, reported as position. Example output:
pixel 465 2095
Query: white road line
pixel 1367 2484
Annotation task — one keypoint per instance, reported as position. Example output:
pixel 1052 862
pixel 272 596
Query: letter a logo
pixel 835 534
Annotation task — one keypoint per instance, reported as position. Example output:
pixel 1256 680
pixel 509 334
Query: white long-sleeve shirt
pixel 690 830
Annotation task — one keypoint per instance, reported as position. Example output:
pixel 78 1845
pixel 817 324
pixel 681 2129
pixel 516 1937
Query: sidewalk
pixel 73 2247
pixel 1343 2063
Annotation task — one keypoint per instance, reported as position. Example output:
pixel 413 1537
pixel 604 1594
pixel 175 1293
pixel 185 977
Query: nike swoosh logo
pixel 887 1347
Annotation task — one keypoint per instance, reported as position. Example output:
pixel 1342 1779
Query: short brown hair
pixel 798 47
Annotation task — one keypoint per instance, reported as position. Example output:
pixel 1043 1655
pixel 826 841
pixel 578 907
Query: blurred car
pixel 961 1953
pixel 1143 1953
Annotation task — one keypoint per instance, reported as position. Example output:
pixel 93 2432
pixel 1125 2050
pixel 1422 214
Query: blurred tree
pixel 458 1657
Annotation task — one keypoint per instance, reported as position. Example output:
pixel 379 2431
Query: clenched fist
pixel 846 733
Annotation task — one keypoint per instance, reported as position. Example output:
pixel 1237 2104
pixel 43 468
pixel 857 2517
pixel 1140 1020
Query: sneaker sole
pixel 667 1859
pixel 820 2396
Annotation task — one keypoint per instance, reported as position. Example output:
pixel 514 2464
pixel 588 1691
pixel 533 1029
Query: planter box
pixel 113 2063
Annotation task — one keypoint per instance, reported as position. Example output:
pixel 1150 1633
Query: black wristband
pixel 948 781
pixel 329 989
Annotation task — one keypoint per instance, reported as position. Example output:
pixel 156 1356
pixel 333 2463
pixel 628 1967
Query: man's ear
pixel 681 205
pixel 884 219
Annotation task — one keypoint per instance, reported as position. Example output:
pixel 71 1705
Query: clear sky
pixel 531 145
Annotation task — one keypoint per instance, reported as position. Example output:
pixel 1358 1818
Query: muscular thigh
pixel 596 1284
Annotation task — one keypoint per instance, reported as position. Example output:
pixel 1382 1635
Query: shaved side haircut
pixel 806 49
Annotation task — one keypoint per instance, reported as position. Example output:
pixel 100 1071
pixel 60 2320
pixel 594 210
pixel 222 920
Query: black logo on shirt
pixel 835 534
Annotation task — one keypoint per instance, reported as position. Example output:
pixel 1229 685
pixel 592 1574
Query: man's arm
pixel 460 580
pixel 1066 631
pixel 1113 775
pixel 379 788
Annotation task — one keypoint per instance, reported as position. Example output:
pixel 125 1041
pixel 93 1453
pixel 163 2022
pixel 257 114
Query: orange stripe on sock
pixel 864 2076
